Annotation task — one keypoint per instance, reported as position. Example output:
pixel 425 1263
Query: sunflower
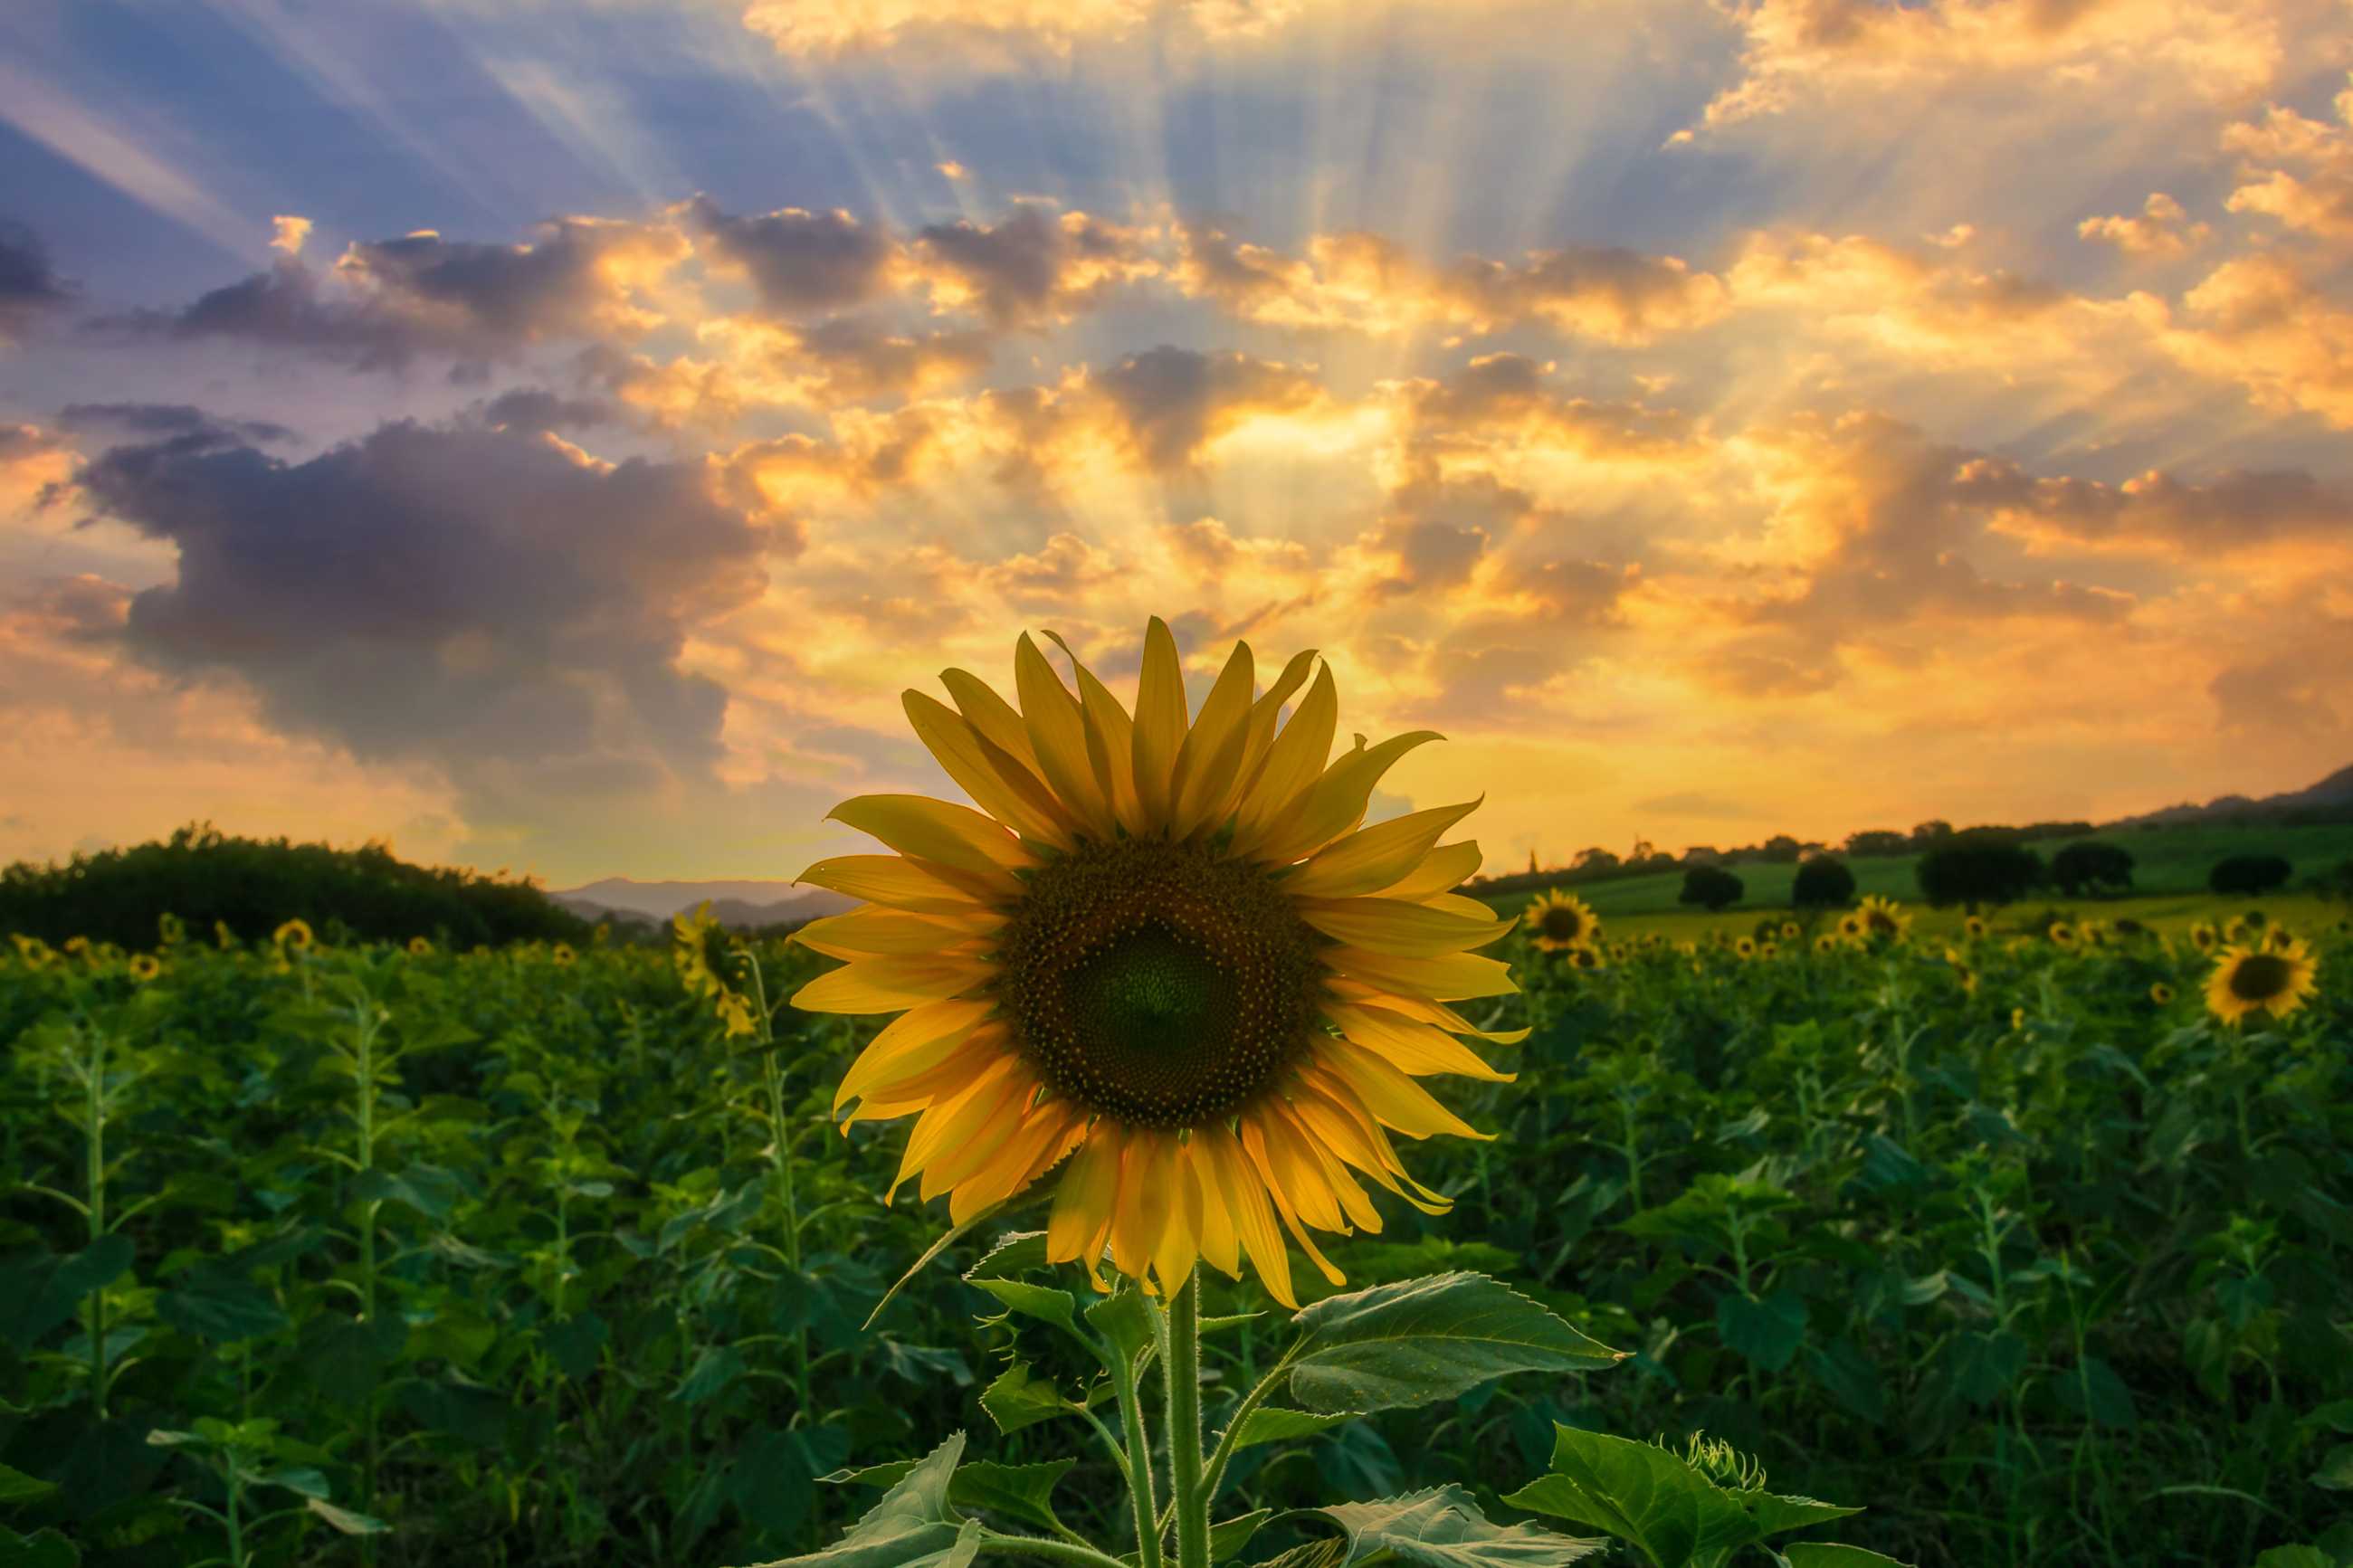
pixel 1826 943
pixel 223 935
pixel 2203 937
pixel 2236 928
pixel 2278 939
pixel 1789 930
pixel 563 955
pixel 144 968
pixel 419 947
pixel 76 947
pixel 36 952
pixel 2018 1017
pixel 293 933
pixel 1585 958
pixel 1162 958
pixel 1882 917
pixel 1745 947
pixel 1850 927
pixel 1975 926
pixel 1557 921
pixel 1768 949
pixel 2061 934
pixel 2252 980
pixel 2161 994
pixel 1688 948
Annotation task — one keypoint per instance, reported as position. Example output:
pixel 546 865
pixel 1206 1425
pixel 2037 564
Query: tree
pixel 2335 884
pixel 1877 841
pixel 1711 887
pixel 2249 874
pixel 1597 861
pixel 1980 866
pixel 1780 850
pixel 1822 883
pixel 2092 867
pixel 1935 830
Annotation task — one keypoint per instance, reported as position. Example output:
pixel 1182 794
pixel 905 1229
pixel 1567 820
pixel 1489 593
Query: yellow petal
pixel 1012 794
pixel 1294 761
pixel 1159 722
pixel 1212 751
pixel 1085 1199
pixel 1452 977
pixel 1395 1100
pixel 1448 866
pixel 890 880
pixel 1415 1047
pixel 991 717
pixel 1263 715
pixel 1380 857
pixel 1058 734
pixel 887 984
pixel 1254 1145
pixel 1255 1223
pixel 1174 1250
pixel 1335 802
pixel 913 1087
pixel 1111 744
pixel 1393 926
pixel 1421 1007
pixel 916 1039
pixel 1042 1140
pixel 1455 904
pixel 1310 1150
pixel 940 832
pixel 950 1122
pixel 1213 1207
pixel 958 1158
pixel 875 930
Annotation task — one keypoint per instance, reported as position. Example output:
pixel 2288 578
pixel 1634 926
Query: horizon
pixel 556 446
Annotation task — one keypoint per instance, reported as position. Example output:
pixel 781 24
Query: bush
pixel 2092 867
pixel 1980 865
pixel 2335 884
pixel 2249 874
pixel 1822 883
pixel 1711 887
pixel 202 875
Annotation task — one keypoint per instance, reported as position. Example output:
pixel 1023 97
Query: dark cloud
pixel 2291 693
pixel 483 600
pixel 165 419
pixel 28 286
pixel 536 409
pixel 1031 267
pixel 2238 506
pixel 1512 390
pixel 388 302
pixel 800 261
pixel 1171 402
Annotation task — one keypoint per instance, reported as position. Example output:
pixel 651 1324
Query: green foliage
pixel 1711 887
pixel 1981 865
pixel 2092 866
pixel 1822 883
pixel 2249 874
pixel 201 875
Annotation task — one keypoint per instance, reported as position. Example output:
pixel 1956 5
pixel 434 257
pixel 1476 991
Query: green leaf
pixel 772 1481
pixel 430 1190
pixel 16 1486
pixel 717 1369
pixel 947 1238
pixel 345 1519
pixel 1826 1555
pixel 1442 1527
pixel 912 1527
pixel 1124 1319
pixel 344 1358
pixel 1043 1301
pixel 1768 1332
pixel 1985 1365
pixel 2336 1472
pixel 42 1548
pixel 1016 1252
pixel 301 1483
pixel 216 1304
pixel 1017 1400
pixel 1637 1492
pixel 1230 1536
pixel 1773 1513
pixel 1426 1340
pixel 1269 1424
pixel 1016 1491
pixel 2092 1390
pixel 2295 1557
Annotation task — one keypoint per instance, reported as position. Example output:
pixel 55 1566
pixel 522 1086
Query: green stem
pixel 1139 1466
pixel 1183 1372
pixel 96 1081
pixel 1224 1453
pixel 365 1062
pixel 236 1533
pixel 780 1159
pixel 1053 1551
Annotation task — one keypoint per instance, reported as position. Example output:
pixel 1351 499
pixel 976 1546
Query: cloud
pixel 490 602
pixel 288 232
pixel 1030 268
pixel 2156 511
pixel 536 409
pixel 1823 56
pixel 1363 282
pixel 2318 201
pixel 29 286
pixel 797 261
pixel 385 302
pixel 2292 692
pixel 2162 229
pixel 1168 404
pixel 2261 321
pixel 167 419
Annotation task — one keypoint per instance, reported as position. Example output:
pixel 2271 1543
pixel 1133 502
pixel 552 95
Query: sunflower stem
pixel 1139 1464
pixel 1183 1359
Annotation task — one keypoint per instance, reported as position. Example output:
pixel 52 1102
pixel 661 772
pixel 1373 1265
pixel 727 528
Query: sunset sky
pixel 552 435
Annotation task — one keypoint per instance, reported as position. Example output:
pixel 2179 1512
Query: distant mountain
pixel 737 903
pixel 2331 797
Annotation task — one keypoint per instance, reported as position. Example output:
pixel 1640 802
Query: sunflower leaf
pixel 912 1527
pixel 1017 1400
pixel 1444 1528
pixel 1421 1340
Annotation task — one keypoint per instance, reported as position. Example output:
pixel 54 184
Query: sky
pixel 550 435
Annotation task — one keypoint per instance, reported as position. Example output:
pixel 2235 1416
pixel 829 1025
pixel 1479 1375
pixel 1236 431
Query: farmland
pixel 516 1258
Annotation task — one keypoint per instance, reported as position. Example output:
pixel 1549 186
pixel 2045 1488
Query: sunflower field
pixel 1825 1243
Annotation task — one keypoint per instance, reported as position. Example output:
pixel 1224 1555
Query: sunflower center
pixel 1562 924
pixel 1156 983
pixel 2260 977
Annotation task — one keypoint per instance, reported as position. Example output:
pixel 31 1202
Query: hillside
pixel 742 904
pixel 2331 800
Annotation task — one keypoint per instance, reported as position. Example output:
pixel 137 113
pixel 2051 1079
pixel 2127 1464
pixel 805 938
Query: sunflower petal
pixel 991 717
pixel 1294 761
pixel 939 831
pixel 1212 751
pixel 1263 715
pixel 1013 797
pixel 1416 1048
pixel 887 984
pixel 1393 1098
pixel 873 930
pixel 1335 802
pixel 1405 930
pixel 1111 744
pixel 1377 857
pixel 1422 1008
pixel 894 882
pixel 1057 733
pixel 1159 732
pixel 1447 867
pixel 1255 1223
pixel 1451 977
pixel 912 1042
pixel 1086 1196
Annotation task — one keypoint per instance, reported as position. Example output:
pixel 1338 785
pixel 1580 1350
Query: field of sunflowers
pixel 2023 1242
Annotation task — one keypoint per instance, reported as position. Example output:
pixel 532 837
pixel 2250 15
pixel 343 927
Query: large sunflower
pixel 1558 921
pixel 2256 980
pixel 1882 916
pixel 1163 957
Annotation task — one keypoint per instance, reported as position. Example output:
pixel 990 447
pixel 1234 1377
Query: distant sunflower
pixel 2237 929
pixel 1165 957
pixel 2203 938
pixel 1688 948
pixel 1584 958
pixel 76 947
pixel 1850 927
pixel 37 954
pixel 223 935
pixel 1789 930
pixel 293 933
pixel 1883 918
pixel 2018 1017
pixel 419 947
pixel 1745 947
pixel 2161 994
pixel 1968 977
pixel 2278 939
pixel 2249 980
pixel 1975 926
pixel 1826 943
pixel 563 955
pixel 144 968
pixel 1768 949
pixel 1557 922
pixel 2061 934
